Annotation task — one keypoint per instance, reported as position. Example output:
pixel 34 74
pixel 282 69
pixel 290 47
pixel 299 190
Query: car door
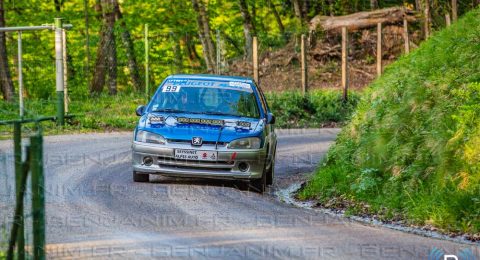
pixel 270 128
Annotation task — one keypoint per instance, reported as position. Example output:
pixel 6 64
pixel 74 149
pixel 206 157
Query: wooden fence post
pixel 427 19
pixel 255 60
pixel 379 49
pixel 406 38
pixel 454 10
pixel 448 22
pixel 345 63
pixel 304 66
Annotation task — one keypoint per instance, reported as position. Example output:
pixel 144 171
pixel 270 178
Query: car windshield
pixel 205 97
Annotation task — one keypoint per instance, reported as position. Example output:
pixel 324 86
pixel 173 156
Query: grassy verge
pixel 412 148
pixel 3 242
pixel 106 113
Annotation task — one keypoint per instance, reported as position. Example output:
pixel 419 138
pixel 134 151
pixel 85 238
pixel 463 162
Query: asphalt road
pixel 94 210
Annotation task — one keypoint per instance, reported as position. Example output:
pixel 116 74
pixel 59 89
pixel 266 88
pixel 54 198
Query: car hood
pixel 208 127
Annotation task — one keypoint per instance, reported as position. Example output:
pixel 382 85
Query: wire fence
pixel 23 195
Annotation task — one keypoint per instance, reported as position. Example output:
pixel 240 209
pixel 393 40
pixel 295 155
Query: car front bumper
pixel 225 167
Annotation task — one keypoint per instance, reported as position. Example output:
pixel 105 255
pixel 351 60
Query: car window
pixel 263 99
pixel 203 97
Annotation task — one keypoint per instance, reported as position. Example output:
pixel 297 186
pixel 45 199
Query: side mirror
pixel 270 119
pixel 140 110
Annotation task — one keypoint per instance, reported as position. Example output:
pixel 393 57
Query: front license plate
pixel 186 154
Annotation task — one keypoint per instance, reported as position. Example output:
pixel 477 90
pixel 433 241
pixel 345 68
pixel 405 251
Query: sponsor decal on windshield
pixel 171 88
pixel 232 85
pixel 186 120
pixel 216 122
pixel 239 84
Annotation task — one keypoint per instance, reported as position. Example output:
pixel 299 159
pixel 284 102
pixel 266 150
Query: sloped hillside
pixel 412 149
pixel 280 68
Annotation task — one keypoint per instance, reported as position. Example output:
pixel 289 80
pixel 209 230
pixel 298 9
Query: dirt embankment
pixel 280 69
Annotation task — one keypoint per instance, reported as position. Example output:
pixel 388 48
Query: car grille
pixel 194 168
pixel 179 141
pixel 193 164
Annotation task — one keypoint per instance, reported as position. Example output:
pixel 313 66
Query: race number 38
pixel 171 88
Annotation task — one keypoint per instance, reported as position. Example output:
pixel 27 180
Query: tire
pixel 243 185
pixel 140 177
pixel 259 185
pixel 271 171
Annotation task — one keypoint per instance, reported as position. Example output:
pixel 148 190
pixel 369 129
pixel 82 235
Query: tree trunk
pixel 5 78
pixel 297 7
pixel 106 61
pixel 58 5
pixel 232 42
pixel 87 39
pixel 129 48
pixel 112 63
pixel 190 48
pixel 277 17
pixel 418 5
pixel 305 9
pixel 204 35
pixel 98 80
pixel 177 50
pixel 373 4
pixel 362 20
pixel 248 29
pixel 109 11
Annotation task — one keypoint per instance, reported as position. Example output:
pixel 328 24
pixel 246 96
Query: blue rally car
pixel 209 127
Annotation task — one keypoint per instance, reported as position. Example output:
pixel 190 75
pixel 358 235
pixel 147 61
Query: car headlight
pixel 147 137
pixel 245 143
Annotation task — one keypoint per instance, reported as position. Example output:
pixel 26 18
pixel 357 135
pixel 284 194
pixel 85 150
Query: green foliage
pixel 172 24
pixel 318 107
pixel 106 112
pixel 413 145
pixel 167 30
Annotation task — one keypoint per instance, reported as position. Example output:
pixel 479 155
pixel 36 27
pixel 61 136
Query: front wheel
pixel 259 185
pixel 140 177
pixel 271 171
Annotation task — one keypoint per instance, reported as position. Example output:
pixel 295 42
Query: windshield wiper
pixel 170 110
pixel 218 113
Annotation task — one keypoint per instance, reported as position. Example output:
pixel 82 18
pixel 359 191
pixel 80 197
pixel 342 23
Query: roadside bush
pixel 317 108
pixel 412 148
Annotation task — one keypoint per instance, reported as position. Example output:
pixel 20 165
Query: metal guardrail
pixel 33 28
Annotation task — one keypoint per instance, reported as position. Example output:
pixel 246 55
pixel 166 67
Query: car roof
pixel 212 77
